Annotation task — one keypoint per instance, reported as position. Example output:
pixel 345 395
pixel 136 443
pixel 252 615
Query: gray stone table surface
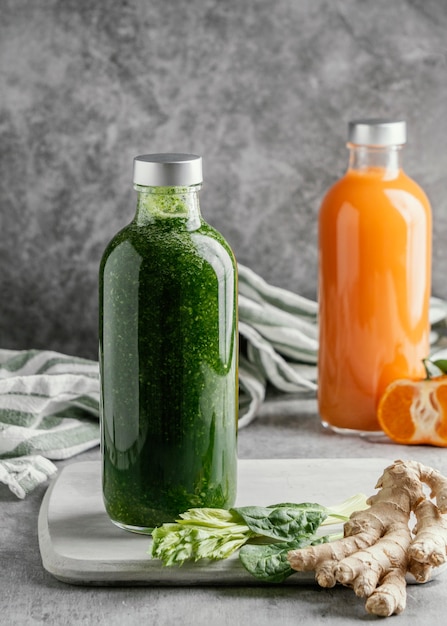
pixel 286 428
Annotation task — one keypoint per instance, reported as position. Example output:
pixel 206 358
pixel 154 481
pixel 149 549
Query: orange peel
pixel 415 412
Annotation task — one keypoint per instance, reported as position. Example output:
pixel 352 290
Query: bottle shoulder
pixel 206 231
pixel 375 177
pixel 115 241
pixel 167 242
pixel 373 189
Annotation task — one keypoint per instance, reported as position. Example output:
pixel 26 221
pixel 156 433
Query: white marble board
pixel 80 545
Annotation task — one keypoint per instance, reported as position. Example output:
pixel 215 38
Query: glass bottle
pixel 168 353
pixel 374 279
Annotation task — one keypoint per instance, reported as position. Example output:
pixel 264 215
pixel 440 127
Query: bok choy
pixel 263 535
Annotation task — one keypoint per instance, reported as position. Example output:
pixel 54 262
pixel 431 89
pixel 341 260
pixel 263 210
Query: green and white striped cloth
pixel 48 410
pixel 49 402
pixel 278 343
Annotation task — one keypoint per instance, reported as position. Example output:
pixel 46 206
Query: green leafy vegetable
pixel 200 534
pixel 206 533
pixel 269 562
pixel 283 521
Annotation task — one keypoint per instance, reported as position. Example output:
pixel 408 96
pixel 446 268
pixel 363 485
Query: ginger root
pixel 379 546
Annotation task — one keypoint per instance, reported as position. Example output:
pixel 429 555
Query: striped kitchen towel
pixel 48 410
pixel 278 343
pixel 49 402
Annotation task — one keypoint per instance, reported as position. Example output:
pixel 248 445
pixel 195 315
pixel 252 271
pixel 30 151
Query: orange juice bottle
pixel 374 279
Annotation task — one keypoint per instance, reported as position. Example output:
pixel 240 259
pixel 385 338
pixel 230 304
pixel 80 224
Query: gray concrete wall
pixel 263 89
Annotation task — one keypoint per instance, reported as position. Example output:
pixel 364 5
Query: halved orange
pixel 415 412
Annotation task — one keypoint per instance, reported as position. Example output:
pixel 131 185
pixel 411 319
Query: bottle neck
pixel 382 161
pixel 169 205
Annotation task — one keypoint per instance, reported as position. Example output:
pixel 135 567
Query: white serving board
pixel 80 545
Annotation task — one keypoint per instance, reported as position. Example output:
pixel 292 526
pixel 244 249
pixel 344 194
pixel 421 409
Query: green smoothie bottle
pixel 168 353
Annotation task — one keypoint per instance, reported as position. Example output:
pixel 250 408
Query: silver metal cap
pixel 377 132
pixel 167 170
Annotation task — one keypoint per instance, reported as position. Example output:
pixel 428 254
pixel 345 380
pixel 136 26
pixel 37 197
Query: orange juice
pixel 374 279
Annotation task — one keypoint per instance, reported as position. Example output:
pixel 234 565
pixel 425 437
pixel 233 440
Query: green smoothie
pixel 168 358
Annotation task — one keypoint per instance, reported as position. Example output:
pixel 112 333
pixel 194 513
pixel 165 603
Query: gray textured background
pixel 263 89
